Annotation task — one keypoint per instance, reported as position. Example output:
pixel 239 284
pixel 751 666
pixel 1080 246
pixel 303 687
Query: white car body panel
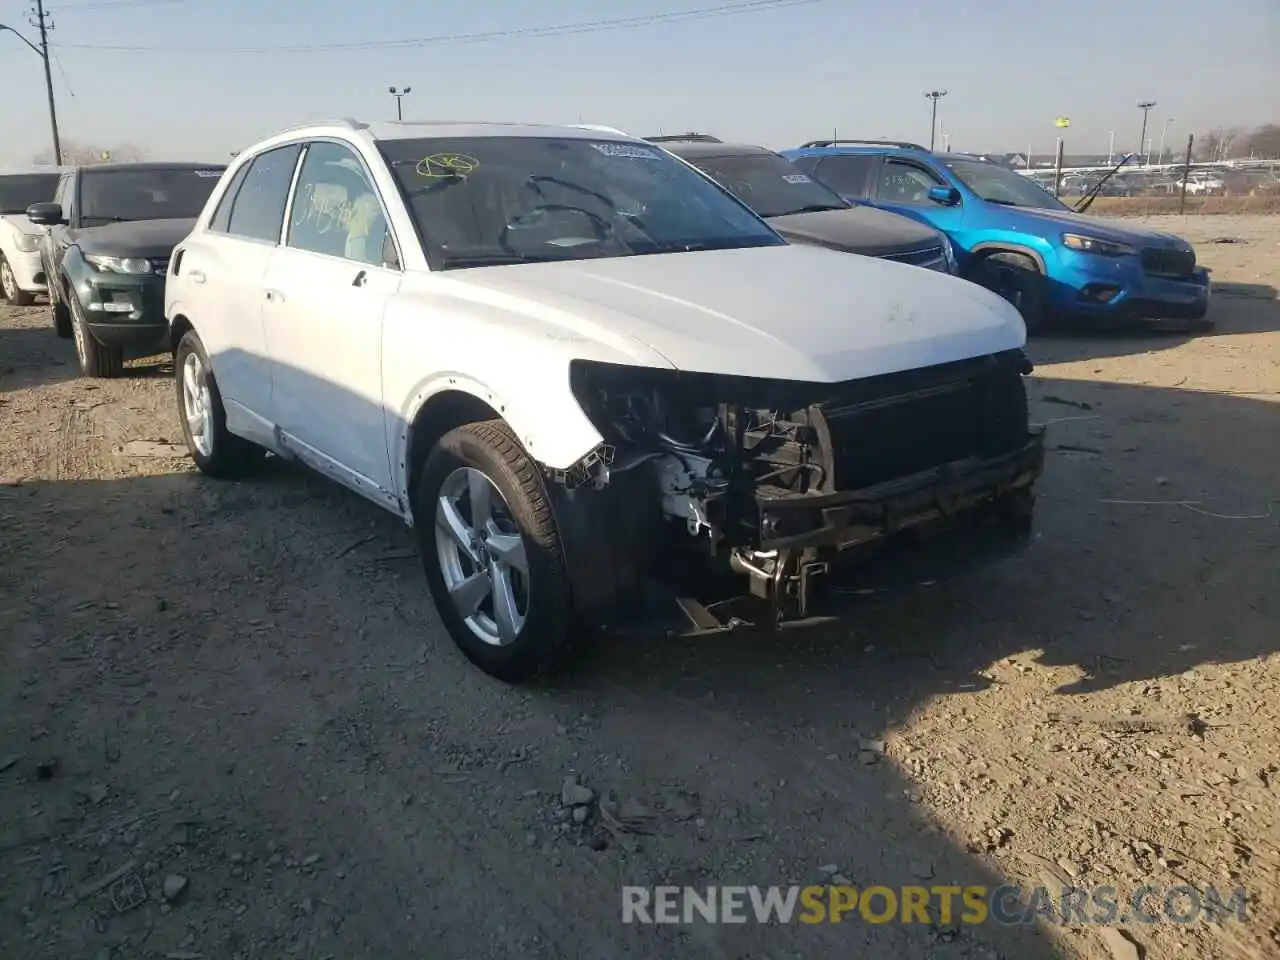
pixel 17 232
pixel 314 370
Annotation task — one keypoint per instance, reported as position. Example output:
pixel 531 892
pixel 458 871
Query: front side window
pixel 905 183
pixel 494 200
pixel 769 184
pixel 257 212
pixel 997 184
pixel 119 195
pixel 19 191
pixel 335 207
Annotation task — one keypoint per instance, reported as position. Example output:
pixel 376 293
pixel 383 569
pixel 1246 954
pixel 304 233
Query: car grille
pixel 928 418
pixel 1167 262
pixel 931 258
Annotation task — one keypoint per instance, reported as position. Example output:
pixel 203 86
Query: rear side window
pixel 849 176
pixel 222 216
pixel 257 212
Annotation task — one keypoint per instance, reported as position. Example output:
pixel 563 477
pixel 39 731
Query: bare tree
pixel 1262 142
pixel 85 154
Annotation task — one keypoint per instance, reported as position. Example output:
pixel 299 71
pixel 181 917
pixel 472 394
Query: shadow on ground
pixel 256 671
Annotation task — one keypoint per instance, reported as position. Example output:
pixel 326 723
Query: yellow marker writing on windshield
pixel 447 165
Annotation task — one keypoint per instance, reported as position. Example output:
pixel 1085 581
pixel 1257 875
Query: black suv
pixel 112 229
pixel 805 211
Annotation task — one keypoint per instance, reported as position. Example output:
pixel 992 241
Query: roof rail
pixel 685 138
pixel 904 144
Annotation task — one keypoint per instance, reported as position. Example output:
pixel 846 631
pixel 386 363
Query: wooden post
pixel 1057 177
pixel 1186 172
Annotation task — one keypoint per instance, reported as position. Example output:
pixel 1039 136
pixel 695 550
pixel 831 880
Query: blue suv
pixel 1014 237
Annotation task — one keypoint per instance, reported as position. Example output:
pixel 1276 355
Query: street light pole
pixel 1111 147
pixel 934 96
pixel 1145 106
pixel 400 95
pixel 42 51
pixel 1164 130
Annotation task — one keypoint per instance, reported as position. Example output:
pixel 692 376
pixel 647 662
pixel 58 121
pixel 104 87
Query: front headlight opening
pixel 1095 245
pixel 128 265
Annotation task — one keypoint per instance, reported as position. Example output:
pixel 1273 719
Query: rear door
pixel 222 275
pixel 850 175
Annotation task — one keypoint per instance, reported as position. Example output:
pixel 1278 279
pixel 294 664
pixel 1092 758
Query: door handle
pixel 361 279
pixel 275 296
pixel 196 276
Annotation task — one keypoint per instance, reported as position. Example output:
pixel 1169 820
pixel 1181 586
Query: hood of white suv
pixel 781 312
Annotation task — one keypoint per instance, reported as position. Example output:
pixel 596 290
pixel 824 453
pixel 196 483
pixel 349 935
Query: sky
pixel 198 79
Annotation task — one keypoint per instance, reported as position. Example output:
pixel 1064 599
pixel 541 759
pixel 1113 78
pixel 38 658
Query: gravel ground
pixel 234 703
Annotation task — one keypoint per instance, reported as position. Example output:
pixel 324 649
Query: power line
pixel 111 5
pixel 555 30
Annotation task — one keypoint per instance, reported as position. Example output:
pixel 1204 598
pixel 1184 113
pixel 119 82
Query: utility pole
pixel 934 96
pixel 1145 106
pixel 400 95
pixel 40 20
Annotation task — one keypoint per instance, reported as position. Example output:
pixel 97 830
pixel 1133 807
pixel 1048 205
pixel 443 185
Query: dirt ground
pixel 231 726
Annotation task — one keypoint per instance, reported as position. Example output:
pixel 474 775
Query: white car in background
pixel 581 369
pixel 21 274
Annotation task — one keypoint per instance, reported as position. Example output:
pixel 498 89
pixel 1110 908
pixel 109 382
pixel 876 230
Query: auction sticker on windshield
pixel 628 151
pixel 796 178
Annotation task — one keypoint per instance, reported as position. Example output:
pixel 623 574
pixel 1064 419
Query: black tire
pixel 1018 279
pixel 230 456
pixel 96 359
pixel 61 318
pixel 549 640
pixel 9 286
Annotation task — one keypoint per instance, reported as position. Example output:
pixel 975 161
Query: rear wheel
pixel 9 286
pixel 96 359
pixel 1018 279
pixel 215 450
pixel 492 554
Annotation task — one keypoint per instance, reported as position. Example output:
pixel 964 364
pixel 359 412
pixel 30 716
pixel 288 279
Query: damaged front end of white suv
pixel 751 497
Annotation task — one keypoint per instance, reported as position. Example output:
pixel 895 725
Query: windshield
pixel 770 184
pixel 493 200
pixel 999 184
pixel 19 191
pixel 154 193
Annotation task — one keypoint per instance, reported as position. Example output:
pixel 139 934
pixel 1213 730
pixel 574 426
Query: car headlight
pixel 1095 245
pixel 130 265
pixel 28 243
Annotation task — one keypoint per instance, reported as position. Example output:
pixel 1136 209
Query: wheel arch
pixel 179 327
pixel 436 415
pixel 980 251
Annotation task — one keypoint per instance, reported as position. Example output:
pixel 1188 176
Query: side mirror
pixel 46 214
pixel 947 196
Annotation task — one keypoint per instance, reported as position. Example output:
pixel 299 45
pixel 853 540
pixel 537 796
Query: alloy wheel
pixel 197 403
pixel 482 557
pixel 7 281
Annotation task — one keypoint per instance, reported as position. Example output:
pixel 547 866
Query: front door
pixel 327 289
pixel 903 186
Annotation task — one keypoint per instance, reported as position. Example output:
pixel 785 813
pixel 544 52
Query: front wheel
pixel 492 554
pixel 96 359
pixel 1018 279
pixel 215 450
pixel 9 286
